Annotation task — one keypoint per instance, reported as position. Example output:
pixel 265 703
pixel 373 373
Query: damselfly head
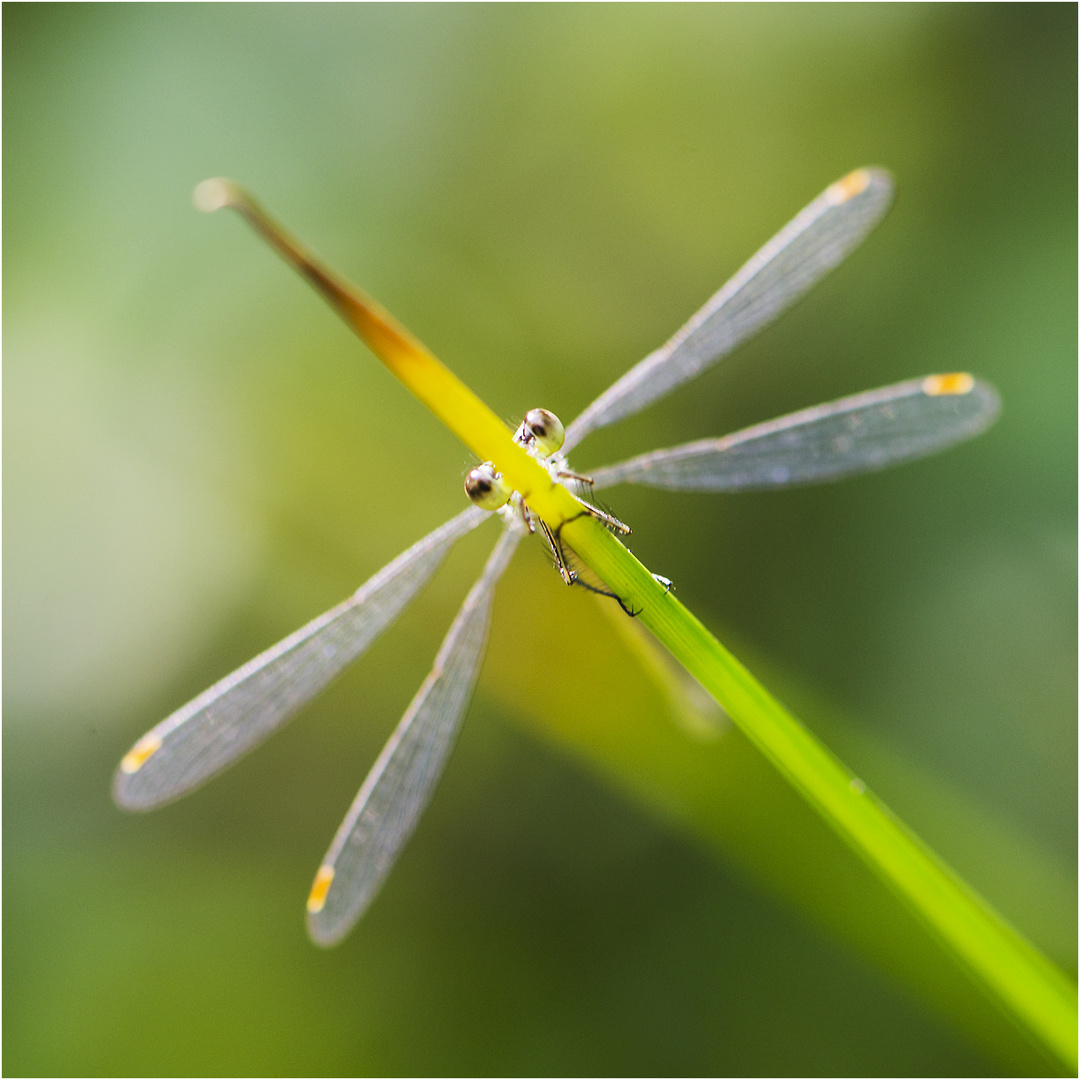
pixel 486 487
pixel 541 430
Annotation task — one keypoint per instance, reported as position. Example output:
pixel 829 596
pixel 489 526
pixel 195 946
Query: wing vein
pixel 240 711
pixel 802 253
pixel 856 434
pixel 403 779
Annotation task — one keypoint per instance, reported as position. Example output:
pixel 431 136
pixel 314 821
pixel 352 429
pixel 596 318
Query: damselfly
pixel 843 438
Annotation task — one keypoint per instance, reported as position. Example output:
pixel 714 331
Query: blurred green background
pixel 199 458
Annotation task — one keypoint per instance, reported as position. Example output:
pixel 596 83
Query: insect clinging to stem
pixel 857 434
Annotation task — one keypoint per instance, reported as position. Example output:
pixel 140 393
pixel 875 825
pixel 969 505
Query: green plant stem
pixel 1030 988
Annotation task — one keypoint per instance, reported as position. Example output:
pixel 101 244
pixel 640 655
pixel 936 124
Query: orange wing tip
pixel 317 897
pixel 959 382
pixel 140 754
pixel 855 183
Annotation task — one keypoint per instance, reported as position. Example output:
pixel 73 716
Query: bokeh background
pixel 198 458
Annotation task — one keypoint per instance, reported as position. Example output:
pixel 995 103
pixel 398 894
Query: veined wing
pixel 403 779
pixel 853 435
pixel 246 707
pixel 786 267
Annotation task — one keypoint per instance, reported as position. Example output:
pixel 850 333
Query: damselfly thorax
pixel 542 435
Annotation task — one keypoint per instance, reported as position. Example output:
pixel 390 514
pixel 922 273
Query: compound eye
pixel 546 428
pixel 486 488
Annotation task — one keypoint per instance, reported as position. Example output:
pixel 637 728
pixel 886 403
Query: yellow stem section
pixel 465 414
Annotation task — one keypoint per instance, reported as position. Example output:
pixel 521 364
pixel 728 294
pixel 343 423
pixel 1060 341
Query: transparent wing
pixel 239 712
pixel 402 781
pixel 785 268
pixel 853 435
